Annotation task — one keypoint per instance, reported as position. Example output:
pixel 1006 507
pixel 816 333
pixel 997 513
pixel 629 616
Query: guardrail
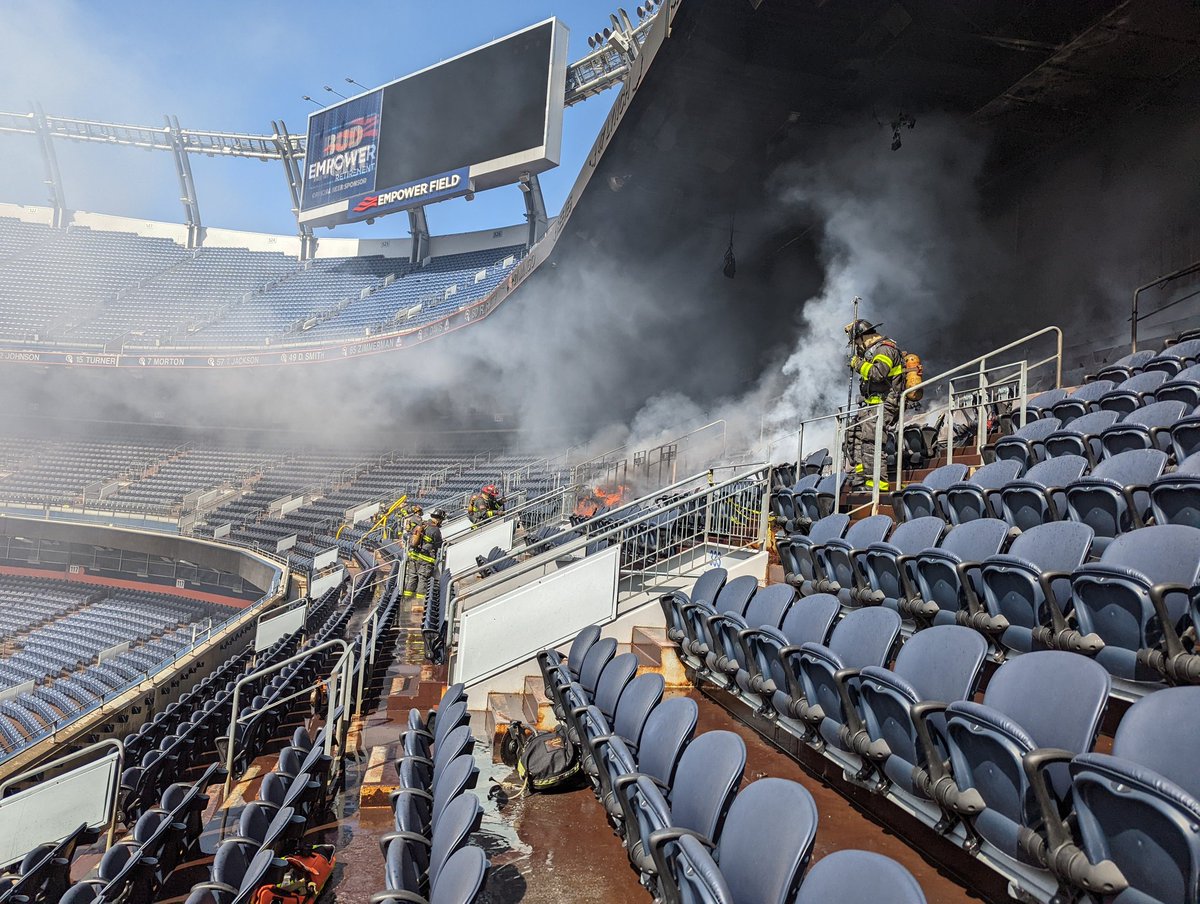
pixel 732 513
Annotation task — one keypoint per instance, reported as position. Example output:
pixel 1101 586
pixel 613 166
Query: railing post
pixel 837 459
pixel 981 412
pixel 950 421
pixel 1024 391
pixel 877 463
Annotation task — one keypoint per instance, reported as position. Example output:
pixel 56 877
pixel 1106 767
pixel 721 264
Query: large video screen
pixel 473 122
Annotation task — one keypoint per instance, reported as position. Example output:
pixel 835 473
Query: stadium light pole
pixel 351 81
pixel 338 93
pixel 310 100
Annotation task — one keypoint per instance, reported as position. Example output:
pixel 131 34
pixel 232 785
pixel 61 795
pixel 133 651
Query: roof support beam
pixel 187 185
pixel 53 180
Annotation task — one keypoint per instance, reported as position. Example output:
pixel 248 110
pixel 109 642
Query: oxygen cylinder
pixel 914 373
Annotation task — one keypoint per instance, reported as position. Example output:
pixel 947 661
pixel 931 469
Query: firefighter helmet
pixel 858 328
pixel 490 490
pixel 438 514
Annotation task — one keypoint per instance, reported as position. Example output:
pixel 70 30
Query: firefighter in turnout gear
pixel 424 543
pixel 412 519
pixel 485 505
pixel 879 365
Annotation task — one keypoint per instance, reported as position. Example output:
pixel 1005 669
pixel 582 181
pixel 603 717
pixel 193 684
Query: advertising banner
pixel 343 151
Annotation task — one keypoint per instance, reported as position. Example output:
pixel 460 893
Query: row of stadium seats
pixel 1014 772
pixel 674 797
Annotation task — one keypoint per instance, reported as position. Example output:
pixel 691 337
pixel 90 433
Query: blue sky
pixel 235 66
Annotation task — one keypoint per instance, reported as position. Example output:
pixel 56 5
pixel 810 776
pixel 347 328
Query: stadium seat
pixel 706 588
pixel 733 597
pixel 809 620
pixel 1040 496
pixel 1040 405
pixel 1133 393
pixel 1135 808
pixel 1146 428
pixel 1119 599
pixel 1174 358
pixel 943 664
pixel 1027 445
pixel 612 683
pixel 705 783
pixel 797 552
pixel 1015 584
pixel 1115 497
pixel 640 698
pixel 1083 400
pixel 835 558
pixel 1081 437
pixel 590 669
pixel 883 576
pixel 865 637
pixel 1183 387
pixel 975 497
pixel 766 608
pixel 859 877
pixel 1175 497
pixel 667 732
pixel 1042 699
pixel 946 576
pixel 762 853
pixel 923 498
pixel 1127 366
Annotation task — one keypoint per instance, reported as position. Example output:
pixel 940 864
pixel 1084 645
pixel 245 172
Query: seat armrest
pixel 415 837
pixel 397 895
pixel 1158 598
pixel 423 760
pixel 1130 500
pixel 920 713
pixel 1034 763
pixel 795 691
pixel 629 778
pixel 422 794
pixel 965 571
pixel 842 679
pixel 657 842
pixel 906 579
pixel 1057 618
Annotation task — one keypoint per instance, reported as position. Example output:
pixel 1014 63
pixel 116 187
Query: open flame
pixel 600 497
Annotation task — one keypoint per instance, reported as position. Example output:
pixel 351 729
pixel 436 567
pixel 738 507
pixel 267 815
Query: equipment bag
pixel 914 373
pixel 515 738
pixel 305 878
pixel 550 762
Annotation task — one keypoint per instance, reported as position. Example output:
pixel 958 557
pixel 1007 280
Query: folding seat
pixel 882 577
pixel 922 499
pixel 766 608
pixel 1183 387
pixel 1146 428
pixel 946 577
pixel 1119 607
pixel 859 877
pixel 613 680
pixel 835 558
pixel 863 638
pixel 1039 406
pixel 1042 699
pixel 816 462
pixel 734 597
pixel 1027 445
pixel 640 698
pixel 1174 358
pixel 765 845
pixel 1040 496
pixel 783 501
pixel 814 503
pixel 1175 497
pixel 269 826
pixel 1133 393
pixel 942 664
pixel 413 862
pixel 1014 604
pixel 1081 436
pixel 1136 808
pixel 1115 498
pixel 706 588
pixel 809 620
pixel 460 881
pixel 238 867
pixel 975 497
pixel 667 732
pixel 594 661
pixel 706 781
pixel 459 776
pixel 420 768
pixel 1126 366
pixel 797 552
pixel 1083 400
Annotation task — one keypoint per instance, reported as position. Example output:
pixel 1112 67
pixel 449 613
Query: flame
pixel 601 497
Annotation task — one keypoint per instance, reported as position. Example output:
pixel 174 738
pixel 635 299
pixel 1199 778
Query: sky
pixel 225 65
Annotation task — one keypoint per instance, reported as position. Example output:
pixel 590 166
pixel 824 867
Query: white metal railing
pixel 983 370
pixel 653 544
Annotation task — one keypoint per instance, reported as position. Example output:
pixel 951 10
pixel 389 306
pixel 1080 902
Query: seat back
pixel 708 585
pixel 865 637
pixel 598 656
pixel 1137 430
pixel 1175 497
pixel 967 500
pixel 910 537
pixel 1174 358
pixel 1099 500
pixel 943 662
pixel 736 594
pixel 1128 395
pixel 641 695
pixel 1024 501
pixel 768 605
pixel 918 500
pixel 859 877
pixel 668 730
pixel 1026 444
pixel 613 681
pixel 461 817
pixel 1081 436
pixel 1127 365
pixel 580 645
pixel 828 528
pixel 461 878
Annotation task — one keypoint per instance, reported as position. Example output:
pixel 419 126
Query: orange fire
pixel 600 497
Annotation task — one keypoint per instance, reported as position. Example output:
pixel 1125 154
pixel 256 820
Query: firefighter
pixel 424 543
pixel 412 518
pixel 879 364
pixel 485 505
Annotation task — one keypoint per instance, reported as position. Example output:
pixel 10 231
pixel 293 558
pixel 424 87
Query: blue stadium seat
pixel 1175 497
pixel 1127 366
pixel 733 597
pixel 922 499
pixel 976 496
pixel 1146 428
pixel 1027 445
pixel 859 877
pixel 1132 393
pixel 797 552
pixel 1081 437
pixel 835 571
pixel 1083 400
pixel 769 651
pixel 884 579
pixel 1040 496
pixel 1115 497
pixel 946 576
pixel 766 608
pixel 706 588
pixel 1183 387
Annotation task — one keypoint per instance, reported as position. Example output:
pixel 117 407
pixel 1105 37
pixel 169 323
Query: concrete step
pixel 502 710
pixel 656 653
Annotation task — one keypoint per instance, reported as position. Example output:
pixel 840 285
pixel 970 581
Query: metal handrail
pixel 982 363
